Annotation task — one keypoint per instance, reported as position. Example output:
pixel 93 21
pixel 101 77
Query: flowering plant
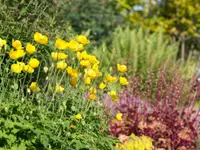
pixel 166 113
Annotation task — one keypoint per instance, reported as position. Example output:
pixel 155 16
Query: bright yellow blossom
pixel 75 46
pixel 119 116
pixel 16 68
pixel 34 63
pixel 110 78
pixel 61 44
pixel 58 56
pixel 16 54
pixel 2 43
pixel 87 80
pixel 20 53
pixel 121 68
pixel 123 81
pixel 114 96
pixel 30 48
pixel 28 68
pixel 85 63
pixel 61 65
pixel 82 55
pixel 34 88
pixel 82 39
pixel 93 59
pixel 78 116
pixel 13 54
pixel 59 89
pixel 16 44
pixel 92 90
pixel 72 72
pixel 39 38
pixel 90 73
pixel 95 67
pixel 102 86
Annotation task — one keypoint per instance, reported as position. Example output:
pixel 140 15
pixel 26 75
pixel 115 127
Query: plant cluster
pixel 164 111
pixel 138 49
pixel 179 19
pixel 63 88
pixel 20 18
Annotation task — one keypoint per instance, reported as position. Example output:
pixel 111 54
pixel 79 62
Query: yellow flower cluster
pixel 87 70
pixel 18 52
pixel 136 143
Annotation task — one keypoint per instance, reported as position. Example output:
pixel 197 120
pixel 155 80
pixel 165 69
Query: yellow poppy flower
pixel 20 53
pixel 90 73
pixel 114 96
pixel 123 81
pixel 30 48
pixel 119 116
pixel 16 44
pixel 78 116
pixel 93 59
pixel 85 63
pixel 28 68
pixel 72 72
pixel 82 39
pixel 58 56
pixel 16 68
pixel 16 54
pixel 59 89
pixel 110 78
pixel 95 67
pixel 34 88
pixel 2 43
pixel 82 55
pixel 61 44
pixel 75 46
pixel 92 90
pixel 34 63
pixel 41 39
pixel 87 80
pixel 121 68
pixel 13 54
pixel 102 86
pixel 61 65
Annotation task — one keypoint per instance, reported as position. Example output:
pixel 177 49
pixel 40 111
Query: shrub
pixel 166 113
pixel 178 19
pixel 139 49
pixel 93 16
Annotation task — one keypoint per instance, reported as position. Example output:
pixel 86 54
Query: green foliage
pixel 46 118
pixel 25 125
pixel 177 18
pixel 19 19
pixel 95 16
pixel 139 49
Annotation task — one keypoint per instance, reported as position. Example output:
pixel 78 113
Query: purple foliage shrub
pixel 164 109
